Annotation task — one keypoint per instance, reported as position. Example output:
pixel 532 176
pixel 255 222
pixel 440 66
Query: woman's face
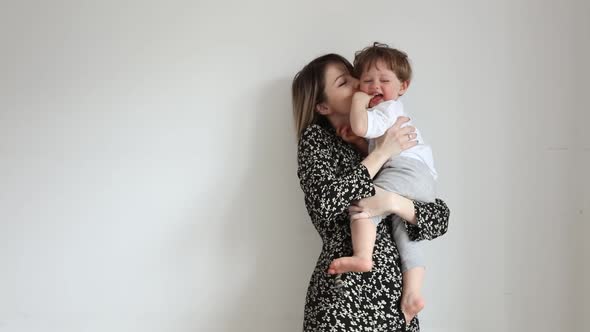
pixel 339 88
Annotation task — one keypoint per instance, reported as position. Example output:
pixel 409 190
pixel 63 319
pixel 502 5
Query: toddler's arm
pixel 358 113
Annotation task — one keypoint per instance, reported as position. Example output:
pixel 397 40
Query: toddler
pixel 385 75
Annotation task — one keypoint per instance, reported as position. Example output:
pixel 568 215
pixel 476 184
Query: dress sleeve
pixel 328 193
pixel 432 220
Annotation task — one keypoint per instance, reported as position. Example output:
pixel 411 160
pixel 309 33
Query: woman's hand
pixel 383 203
pixel 396 139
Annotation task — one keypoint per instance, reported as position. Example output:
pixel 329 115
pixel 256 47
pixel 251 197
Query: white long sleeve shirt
pixel 382 117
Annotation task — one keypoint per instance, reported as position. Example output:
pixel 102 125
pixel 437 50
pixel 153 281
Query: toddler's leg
pixel 412 270
pixel 412 300
pixel 412 179
pixel 363 232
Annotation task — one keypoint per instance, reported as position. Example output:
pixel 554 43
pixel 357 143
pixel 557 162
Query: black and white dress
pixel 332 176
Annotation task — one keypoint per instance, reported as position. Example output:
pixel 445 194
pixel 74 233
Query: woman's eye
pixel 343 82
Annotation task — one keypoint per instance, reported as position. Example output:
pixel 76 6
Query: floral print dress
pixel 332 176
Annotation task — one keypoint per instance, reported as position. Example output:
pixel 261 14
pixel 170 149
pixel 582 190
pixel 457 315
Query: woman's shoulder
pixel 316 142
pixel 316 134
pixel 314 130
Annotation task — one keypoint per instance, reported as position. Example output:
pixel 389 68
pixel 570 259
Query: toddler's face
pixel 381 82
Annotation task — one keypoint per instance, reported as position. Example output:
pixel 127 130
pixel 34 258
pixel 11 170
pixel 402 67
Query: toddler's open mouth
pixel 376 100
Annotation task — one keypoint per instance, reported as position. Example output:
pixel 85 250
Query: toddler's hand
pixel 361 98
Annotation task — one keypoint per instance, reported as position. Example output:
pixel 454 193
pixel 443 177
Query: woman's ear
pixel 404 87
pixel 322 108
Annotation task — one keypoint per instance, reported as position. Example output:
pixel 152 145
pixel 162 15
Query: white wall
pixel 583 157
pixel 148 163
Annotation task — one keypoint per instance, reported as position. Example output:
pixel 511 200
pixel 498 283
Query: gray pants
pixel 410 178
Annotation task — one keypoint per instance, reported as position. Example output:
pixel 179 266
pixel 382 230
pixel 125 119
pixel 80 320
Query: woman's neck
pixel 339 122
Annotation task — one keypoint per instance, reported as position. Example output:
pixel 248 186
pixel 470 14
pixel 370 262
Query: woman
pixel 334 176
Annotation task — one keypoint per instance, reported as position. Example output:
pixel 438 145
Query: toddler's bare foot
pixel 350 264
pixel 412 304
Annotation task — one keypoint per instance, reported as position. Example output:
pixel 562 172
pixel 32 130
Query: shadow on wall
pixel 275 231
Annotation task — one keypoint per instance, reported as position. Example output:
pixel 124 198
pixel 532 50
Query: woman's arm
pixel 328 194
pixel 390 144
pixel 431 220
pixel 424 221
